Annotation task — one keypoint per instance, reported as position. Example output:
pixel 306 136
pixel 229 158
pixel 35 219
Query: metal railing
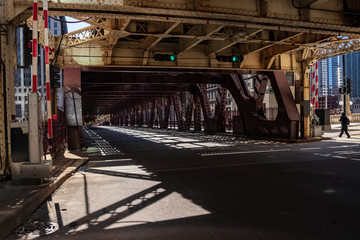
pixel 54 144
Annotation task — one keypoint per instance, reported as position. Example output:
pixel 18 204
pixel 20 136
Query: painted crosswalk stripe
pixel 314 148
pixel 344 146
pixel 245 152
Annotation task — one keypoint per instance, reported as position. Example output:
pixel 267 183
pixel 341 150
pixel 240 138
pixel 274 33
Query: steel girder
pixel 252 121
pixel 261 28
pixel 189 30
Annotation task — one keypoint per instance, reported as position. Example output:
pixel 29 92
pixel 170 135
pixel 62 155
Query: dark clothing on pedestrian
pixel 344 125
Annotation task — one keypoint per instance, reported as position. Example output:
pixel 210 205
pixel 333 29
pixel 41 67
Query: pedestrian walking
pixel 344 125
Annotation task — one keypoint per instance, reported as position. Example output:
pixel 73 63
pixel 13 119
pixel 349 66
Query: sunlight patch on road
pixel 164 209
pixel 329 191
pixel 170 141
pixel 100 146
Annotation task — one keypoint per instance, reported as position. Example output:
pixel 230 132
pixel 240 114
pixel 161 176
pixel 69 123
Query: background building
pixel 23 74
pixel 352 71
pixel 331 77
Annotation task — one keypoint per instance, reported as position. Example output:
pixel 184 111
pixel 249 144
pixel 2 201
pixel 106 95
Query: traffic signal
pixel 55 76
pixel 341 90
pixel 165 57
pixel 348 85
pixel 27 46
pixel 233 58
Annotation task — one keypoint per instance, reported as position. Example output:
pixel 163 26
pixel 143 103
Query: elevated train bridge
pixel 140 60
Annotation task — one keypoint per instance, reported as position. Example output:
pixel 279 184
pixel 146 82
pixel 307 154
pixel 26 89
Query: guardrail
pixel 355 118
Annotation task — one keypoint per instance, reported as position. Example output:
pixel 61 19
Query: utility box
pixel 324 118
pixel 19 142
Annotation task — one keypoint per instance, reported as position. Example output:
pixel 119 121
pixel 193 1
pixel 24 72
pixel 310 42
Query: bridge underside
pixel 143 97
pixel 115 58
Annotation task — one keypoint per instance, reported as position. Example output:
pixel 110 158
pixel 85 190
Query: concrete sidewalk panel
pixel 18 202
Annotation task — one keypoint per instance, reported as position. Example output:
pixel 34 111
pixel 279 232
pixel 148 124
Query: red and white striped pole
pixel 317 85
pixel 313 87
pixel 34 68
pixel 47 67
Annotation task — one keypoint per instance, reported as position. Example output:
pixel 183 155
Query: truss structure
pixel 85 35
pixel 341 45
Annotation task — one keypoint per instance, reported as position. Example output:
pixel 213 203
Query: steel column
pixel 152 114
pixel 209 122
pixel 189 112
pixel 220 109
pixel 160 113
pixel 126 118
pixel 178 112
pixel 121 120
pixel 166 104
pixel 132 117
pixel 197 114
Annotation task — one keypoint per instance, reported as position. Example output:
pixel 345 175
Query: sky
pixel 75 26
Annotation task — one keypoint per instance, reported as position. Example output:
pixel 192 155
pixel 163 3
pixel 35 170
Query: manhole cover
pixel 36 229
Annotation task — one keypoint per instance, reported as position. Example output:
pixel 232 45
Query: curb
pixel 19 214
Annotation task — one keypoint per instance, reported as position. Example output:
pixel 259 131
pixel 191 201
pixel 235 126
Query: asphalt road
pixel 152 184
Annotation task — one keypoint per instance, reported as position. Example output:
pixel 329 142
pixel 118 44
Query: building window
pixel 55 31
pixel 55 24
pixel 18 110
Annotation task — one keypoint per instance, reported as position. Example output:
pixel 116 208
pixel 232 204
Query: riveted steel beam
pixel 252 121
pixel 135 88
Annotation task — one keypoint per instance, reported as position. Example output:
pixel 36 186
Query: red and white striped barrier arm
pixel 47 68
pixel 317 85
pixel 313 86
pixel 34 69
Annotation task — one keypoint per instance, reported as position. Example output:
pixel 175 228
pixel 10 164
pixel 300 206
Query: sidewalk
pixel 18 202
pixel 353 129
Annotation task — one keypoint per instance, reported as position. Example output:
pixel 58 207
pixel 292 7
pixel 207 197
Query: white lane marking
pixel 344 146
pixel 112 160
pixel 323 155
pixel 314 148
pixel 234 153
